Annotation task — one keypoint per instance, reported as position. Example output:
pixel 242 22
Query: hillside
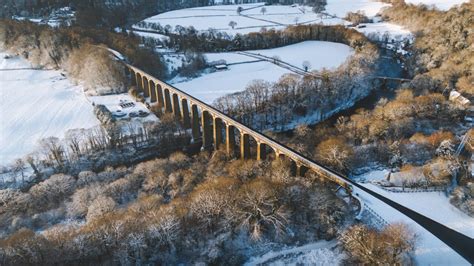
pixel 196 132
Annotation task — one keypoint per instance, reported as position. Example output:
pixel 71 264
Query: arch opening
pixel 139 82
pixel 146 87
pixel 152 93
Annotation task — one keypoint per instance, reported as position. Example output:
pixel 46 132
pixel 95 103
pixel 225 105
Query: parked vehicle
pixel 119 113
pixel 142 113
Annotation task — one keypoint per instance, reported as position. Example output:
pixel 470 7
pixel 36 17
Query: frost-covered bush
pixel 85 178
pixel 82 199
pixel 7 196
pixel 124 189
pixel 100 206
pixel 52 191
pixel 463 198
pixel 392 245
pixel 133 91
pixel 97 70
pixel 409 176
pixel 49 217
pixel 357 17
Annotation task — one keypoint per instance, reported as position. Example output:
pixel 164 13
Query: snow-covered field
pixel 435 205
pixel 251 19
pixel 216 17
pixel 392 31
pixel 152 35
pixel 341 7
pixel 211 86
pixel 36 104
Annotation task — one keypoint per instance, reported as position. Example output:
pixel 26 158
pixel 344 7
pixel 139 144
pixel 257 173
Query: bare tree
pixel 319 6
pixel 19 169
pixel 239 10
pixel 357 17
pixel 259 207
pixel 232 24
pixel 32 160
pixel 53 150
pixel 296 20
pixel 390 246
pixel 100 206
pixel 211 202
pixel 306 65
pixel 52 191
pixel 75 140
pixel 334 152
pixel 263 10
pixel 164 225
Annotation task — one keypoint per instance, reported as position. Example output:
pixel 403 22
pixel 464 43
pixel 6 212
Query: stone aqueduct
pixel 218 130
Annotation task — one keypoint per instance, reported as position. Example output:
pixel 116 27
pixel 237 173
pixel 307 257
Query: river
pixel 388 66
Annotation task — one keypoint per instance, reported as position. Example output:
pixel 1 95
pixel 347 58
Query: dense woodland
pixel 70 48
pixel 443 51
pixel 182 209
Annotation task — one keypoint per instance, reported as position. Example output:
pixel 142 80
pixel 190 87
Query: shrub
pixel 391 246
pixel 357 17
pixel 463 198
pixel 97 70
pixel 52 191
pixel 99 207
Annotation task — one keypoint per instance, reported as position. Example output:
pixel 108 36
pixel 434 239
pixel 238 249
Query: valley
pixel 242 134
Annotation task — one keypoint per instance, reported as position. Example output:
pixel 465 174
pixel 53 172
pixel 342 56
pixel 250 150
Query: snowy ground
pixel 152 35
pixel 35 104
pixel 372 176
pixel 318 253
pixel 211 86
pixel 435 205
pixel 341 7
pixel 384 29
pixel 58 17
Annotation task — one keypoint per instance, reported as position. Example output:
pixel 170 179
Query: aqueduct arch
pixel 146 86
pixel 139 80
pixel 152 89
